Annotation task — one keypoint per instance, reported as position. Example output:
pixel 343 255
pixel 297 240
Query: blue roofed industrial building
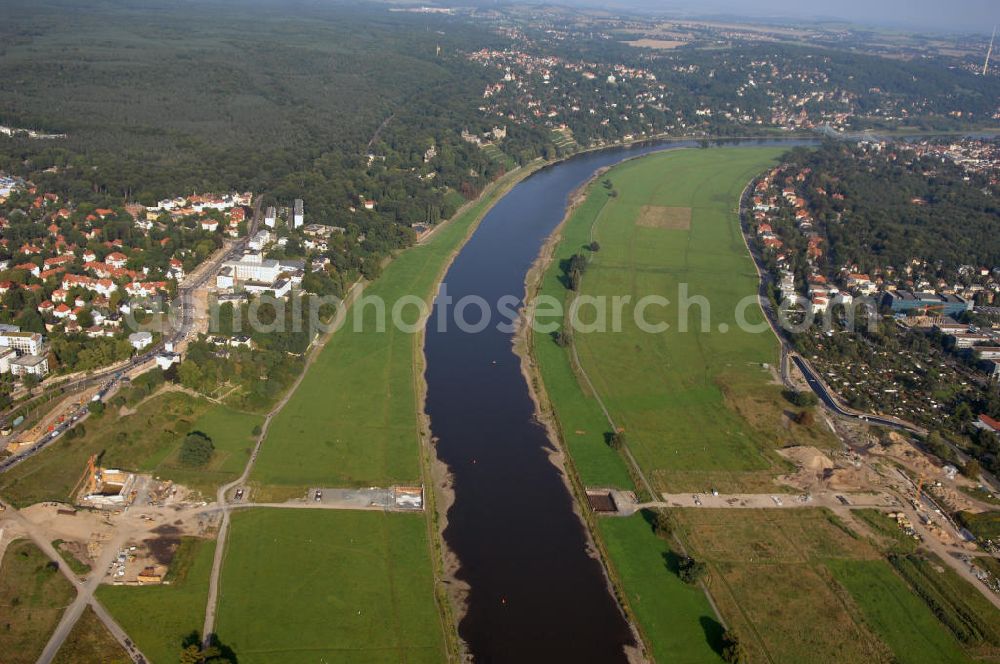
pixel 902 301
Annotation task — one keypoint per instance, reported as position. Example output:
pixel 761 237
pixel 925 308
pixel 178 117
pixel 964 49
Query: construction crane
pixel 91 475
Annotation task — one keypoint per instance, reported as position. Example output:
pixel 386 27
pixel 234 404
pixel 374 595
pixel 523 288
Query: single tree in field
pixel 802 399
pixel 733 651
pixel 616 440
pixel 663 525
pixel 197 449
pixel 195 654
pixel 692 571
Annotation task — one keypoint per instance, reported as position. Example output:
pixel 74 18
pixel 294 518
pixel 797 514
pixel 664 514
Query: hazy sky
pixel 965 15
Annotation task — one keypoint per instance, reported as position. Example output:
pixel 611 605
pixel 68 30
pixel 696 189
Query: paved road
pixel 78 416
pixel 829 399
pixel 116 631
pixel 828 396
pixel 953 555
pixel 853 500
pixel 85 589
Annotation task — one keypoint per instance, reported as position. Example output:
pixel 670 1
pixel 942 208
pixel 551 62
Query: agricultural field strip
pixel 677 217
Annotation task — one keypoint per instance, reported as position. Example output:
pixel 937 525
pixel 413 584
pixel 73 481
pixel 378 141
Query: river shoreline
pixel 558 455
pixel 451 592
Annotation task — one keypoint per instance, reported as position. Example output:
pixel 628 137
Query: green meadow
pixel 578 415
pixel 90 641
pixel 697 402
pixel 33 596
pixel 676 618
pixel 232 436
pixel 329 586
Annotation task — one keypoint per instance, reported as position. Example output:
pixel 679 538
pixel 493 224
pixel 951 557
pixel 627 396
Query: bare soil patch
pixel 663 44
pixel 668 218
pixel 162 549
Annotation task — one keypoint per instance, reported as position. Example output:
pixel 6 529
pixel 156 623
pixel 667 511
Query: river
pixel 536 591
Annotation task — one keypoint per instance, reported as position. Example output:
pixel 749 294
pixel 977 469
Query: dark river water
pixel 536 595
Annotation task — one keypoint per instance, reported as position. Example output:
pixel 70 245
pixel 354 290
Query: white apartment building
pixel 30 365
pixel 261 239
pixel 254 267
pixel 24 343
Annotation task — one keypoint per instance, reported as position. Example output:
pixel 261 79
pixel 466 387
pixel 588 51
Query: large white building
pixel 25 343
pixel 166 359
pixel 270 217
pixel 298 216
pixel 256 274
pixel 30 365
pixel 254 267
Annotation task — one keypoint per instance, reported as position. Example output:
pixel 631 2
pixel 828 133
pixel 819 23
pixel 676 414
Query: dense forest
pixel 337 103
pixel 284 100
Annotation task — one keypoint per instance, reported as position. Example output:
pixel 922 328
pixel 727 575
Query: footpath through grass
pixel 769 580
pixel 678 395
pixel 352 587
pixel 353 419
pixel 329 586
pixel 160 618
pixel 961 608
pixel 578 414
